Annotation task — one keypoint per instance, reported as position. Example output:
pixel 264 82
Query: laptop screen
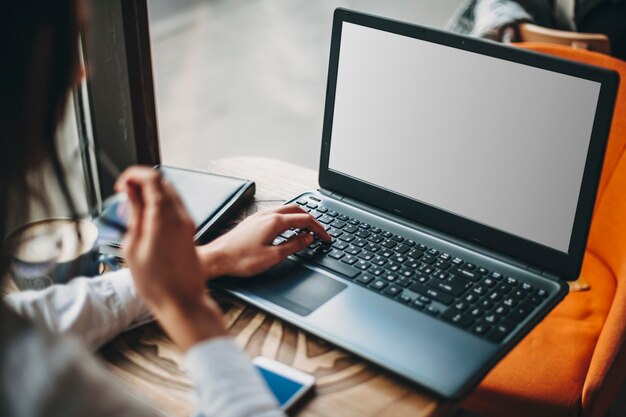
pixel 496 142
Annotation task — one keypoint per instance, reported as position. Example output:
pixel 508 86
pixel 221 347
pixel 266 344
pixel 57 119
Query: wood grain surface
pixel 152 366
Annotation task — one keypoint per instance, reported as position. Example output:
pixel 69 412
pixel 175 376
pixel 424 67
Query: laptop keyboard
pixel 483 302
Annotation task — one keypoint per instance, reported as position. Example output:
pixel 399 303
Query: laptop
pixel 457 178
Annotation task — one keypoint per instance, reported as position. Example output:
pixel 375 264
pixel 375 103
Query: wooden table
pixel 346 385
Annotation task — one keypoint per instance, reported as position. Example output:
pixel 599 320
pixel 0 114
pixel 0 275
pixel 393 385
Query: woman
pixel 45 337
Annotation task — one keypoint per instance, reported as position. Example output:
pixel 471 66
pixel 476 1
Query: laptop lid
pixel 496 145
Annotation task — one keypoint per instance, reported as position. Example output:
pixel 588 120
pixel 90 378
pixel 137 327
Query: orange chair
pixel 574 362
pixel 598 42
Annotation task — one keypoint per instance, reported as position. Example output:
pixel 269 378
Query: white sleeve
pixel 92 309
pixel 43 375
pixel 226 383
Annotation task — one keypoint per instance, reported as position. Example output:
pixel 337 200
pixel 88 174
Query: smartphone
pixel 288 384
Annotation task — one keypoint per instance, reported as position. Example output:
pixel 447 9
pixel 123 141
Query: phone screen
pixel 282 388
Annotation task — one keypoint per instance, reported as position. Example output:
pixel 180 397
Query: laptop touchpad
pixel 294 287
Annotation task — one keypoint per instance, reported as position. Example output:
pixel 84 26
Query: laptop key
pixel 405 298
pixel 346 237
pixel 454 316
pixel 500 331
pixel 390 276
pixel 379 260
pixel 336 254
pixel 334 232
pixel 392 290
pixel 350 228
pixel 402 248
pixel 427 259
pixel 378 285
pixel 461 305
pixel 404 282
pixel 389 244
pixel 467 274
pixel 340 245
pixel 338 224
pixel 457 261
pixel 364 279
pixel 432 310
pixel 360 242
pixel 436 295
pixel 452 288
pixel 366 255
pixel 376 270
pixel 372 247
pixel 352 250
pixel 349 259
pixel 425 300
pixel 362 264
pixel 481 329
pixel 375 239
pixel 443 265
pixel 521 312
pixel 393 266
pixel 326 219
pixel 412 263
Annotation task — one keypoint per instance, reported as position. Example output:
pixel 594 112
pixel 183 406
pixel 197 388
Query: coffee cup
pixel 53 251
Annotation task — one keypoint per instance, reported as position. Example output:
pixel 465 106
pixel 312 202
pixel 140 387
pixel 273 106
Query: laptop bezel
pixel 540 257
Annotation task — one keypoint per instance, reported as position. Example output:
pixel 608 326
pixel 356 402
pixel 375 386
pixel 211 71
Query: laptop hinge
pixel 538 271
pixel 331 194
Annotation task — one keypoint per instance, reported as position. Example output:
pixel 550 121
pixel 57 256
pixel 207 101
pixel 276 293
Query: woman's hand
pixel 163 259
pixel 247 249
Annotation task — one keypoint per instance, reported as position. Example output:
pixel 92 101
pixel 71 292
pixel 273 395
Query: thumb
pixel 135 223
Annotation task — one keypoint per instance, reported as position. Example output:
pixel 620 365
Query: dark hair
pixel 39 50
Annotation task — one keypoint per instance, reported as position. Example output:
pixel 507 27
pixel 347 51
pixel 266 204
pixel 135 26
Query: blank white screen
pixel 499 143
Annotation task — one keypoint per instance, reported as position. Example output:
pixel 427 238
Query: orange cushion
pixel 544 375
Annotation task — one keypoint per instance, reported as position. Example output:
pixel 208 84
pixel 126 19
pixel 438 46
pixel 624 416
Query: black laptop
pixel 457 178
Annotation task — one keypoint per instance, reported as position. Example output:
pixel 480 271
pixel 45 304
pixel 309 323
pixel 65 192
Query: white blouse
pixel 46 368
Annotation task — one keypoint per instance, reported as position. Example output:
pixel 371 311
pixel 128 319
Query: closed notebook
pixel 212 201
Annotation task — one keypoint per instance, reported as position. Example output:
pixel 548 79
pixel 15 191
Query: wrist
pixel 190 323
pixel 213 261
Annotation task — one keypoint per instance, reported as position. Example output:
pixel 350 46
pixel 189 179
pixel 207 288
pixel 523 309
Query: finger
pixel 293 245
pixel 131 172
pixel 135 223
pixel 180 207
pixel 159 209
pixel 289 209
pixel 302 221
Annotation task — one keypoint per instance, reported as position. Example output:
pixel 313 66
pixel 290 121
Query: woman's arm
pixel 93 310
pixel 171 273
